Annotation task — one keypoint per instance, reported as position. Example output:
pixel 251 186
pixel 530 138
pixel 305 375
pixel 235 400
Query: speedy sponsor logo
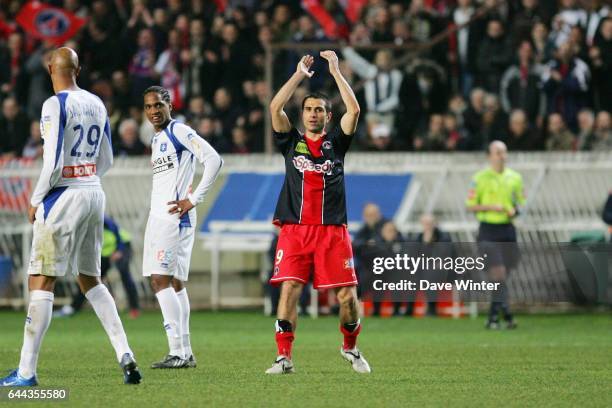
pixel 84 170
pixel 303 164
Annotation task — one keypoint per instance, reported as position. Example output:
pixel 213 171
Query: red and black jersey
pixel 313 191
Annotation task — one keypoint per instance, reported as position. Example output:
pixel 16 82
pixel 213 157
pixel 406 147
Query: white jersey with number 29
pixel 77 142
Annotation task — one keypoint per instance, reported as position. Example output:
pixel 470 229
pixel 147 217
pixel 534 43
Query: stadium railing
pixel 565 195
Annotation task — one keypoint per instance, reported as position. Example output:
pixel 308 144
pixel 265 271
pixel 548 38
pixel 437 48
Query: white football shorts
pixel 167 248
pixel 67 234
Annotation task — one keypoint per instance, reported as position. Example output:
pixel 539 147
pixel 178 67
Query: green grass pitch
pixel 559 360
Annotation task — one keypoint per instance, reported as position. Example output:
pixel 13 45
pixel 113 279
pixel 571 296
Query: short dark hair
pixel 163 92
pixel 318 95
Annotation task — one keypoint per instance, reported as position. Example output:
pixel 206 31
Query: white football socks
pixel 185 310
pixel 171 311
pixel 37 323
pixel 106 310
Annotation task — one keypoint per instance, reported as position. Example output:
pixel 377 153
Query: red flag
pixel 6 29
pixel 221 5
pixel 48 23
pixel 330 27
pixel 352 9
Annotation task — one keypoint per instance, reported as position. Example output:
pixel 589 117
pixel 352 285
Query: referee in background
pixel 495 195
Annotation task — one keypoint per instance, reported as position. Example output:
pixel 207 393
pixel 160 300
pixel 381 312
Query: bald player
pixel 67 213
pixel 495 196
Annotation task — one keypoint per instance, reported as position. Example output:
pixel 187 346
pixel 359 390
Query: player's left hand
pixel 332 59
pixel 32 214
pixel 181 207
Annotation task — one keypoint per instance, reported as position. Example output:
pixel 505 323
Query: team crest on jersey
pixel 302 148
pixel 163 147
pixel 327 145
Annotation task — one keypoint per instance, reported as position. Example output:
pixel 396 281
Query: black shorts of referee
pixel 498 242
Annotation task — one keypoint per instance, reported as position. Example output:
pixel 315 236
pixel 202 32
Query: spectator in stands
pixel 566 81
pixel 121 91
pixel 381 25
pixel 456 135
pixel 494 56
pixel 577 44
pixel 425 23
pixel 281 23
pixel 33 148
pixel 603 132
pixel 559 137
pixel 169 67
pixel 401 33
pixel 382 85
pixel 521 86
pixel 142 65
pixel 369 233
pixel 240 140
pixel 197 110
pixel 435 137
pixel 543 47
pixel 422 93
pixel 379 136
pixel 570 15
pixel 210 130
pixel 597 12
pixel 431 234
pixel 129 142
pixel 38 78
pixel 12 58
pixel 521 136
pixel 225 111
pixel 472 118
pixel 364 244
pixel 201 62
pixel 391 245
pixel 494 120
pixel 586 135
pixel 100 44
pixel 14 128
pixel 601 61
pixel 465 45
pixel 307 31
pixel 528 14
pixel 235 59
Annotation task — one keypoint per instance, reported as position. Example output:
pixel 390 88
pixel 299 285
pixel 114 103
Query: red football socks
pixel 284 341
pixel 350 337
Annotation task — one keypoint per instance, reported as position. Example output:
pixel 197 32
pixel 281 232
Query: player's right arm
pixel 53 154
pixel 280 121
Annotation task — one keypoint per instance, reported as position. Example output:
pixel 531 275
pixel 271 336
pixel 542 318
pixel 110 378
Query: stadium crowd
pixel 534 73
